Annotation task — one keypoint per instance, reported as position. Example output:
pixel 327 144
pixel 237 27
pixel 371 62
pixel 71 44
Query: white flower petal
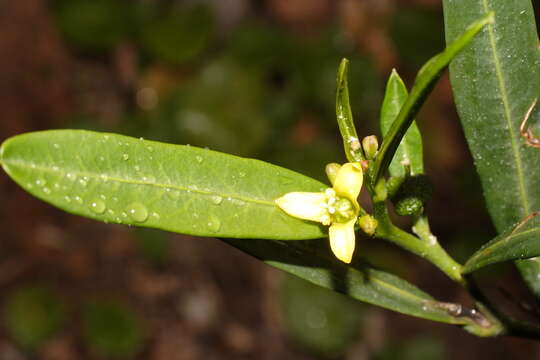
pixel 342 240
pixel 348 182
pixel 305 205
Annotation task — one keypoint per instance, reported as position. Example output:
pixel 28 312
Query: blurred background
pixel 252 78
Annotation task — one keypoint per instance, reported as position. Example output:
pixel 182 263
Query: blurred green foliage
pixel 94 24
pixel 154 245
pixel 111 329
pixel 32 315
pixel 422 347
pixel 321 321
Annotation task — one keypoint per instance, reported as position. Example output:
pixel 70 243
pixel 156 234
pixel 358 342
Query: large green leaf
pixel 313 261
pixel 519 242
pixel 120 179
pixel 410 147
pixel 494 81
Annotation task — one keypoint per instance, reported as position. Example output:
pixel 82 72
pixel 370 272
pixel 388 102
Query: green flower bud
pixel 370 144
pixel 368 224
pixel 331 171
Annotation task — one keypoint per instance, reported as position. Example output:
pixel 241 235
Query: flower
pixel 336 206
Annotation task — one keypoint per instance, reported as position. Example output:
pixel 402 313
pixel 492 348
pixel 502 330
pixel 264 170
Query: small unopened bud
pixel 331 171
pixel 368 224
pixel 370 144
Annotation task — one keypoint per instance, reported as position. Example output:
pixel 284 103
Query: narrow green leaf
pixel 495 81
pixel 427 76
pixel 351 143
pixel 519 242
pixel 410 147
pixel 313 261
pixel 119 179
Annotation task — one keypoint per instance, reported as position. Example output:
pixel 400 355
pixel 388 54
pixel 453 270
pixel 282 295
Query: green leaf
pixel 314 262
pixel 427 76
pixel 494 82
pixel 120 179
pixel 519 242
pixel 351 143
pixel 410 147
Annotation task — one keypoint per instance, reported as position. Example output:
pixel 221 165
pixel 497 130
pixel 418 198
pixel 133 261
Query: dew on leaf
pixel 46 190
pixel 97 206
pixel 82 182
pixel 137 212
pixel 214 224
pixel 216 199
pixel 125 156
pixel 173 194
pixel 199 159
pixel 78 199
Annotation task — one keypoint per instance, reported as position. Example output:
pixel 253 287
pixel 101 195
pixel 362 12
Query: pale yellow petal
pixel 349 180
pixel 342 240
pixel 304 205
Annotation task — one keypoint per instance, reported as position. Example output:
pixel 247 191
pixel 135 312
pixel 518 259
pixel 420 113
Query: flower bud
pixel 370 144
pixel 331 171
pixel 368 224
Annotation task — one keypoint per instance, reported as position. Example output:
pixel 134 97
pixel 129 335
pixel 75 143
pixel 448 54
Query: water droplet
pixel 214 224
pixel 40 182
pixel 71 176
pixel 67 199
pixel 97 206
pixel 56 186
pixel 101 158
pixel 78 199
pixel 216 199
pixel 199 159
pixel 125 156
pixel 29 185
pixel 55 168
pixel 173 194
pixel 150 149
pixel 137 168
pixel 82 182
pixel 137 212
pixel 103 197
pixel 238 202
pixel 56 146
pixel 110 212
pixel 46 190
pixel 242 174
pixel 155 216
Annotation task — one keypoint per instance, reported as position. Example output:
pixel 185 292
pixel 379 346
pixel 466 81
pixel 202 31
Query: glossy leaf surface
pixel 120 179
pixel 410 147
pixel 313 261
pixel 494 81
pixel 520 242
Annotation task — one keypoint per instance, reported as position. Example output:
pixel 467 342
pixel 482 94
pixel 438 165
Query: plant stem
pixel 428 248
